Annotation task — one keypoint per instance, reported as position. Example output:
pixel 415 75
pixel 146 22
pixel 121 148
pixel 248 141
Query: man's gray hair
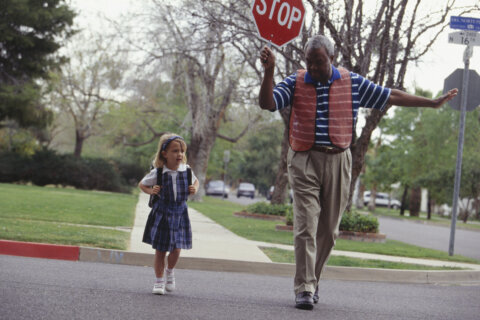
pixel 319 41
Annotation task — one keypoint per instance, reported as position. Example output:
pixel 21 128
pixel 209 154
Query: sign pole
pixel 226 159
pixel 458 169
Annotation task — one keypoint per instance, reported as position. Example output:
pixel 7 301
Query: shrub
pixel 353 221
pixel 48 167
pixel 131 173
pixel 267 208
pixel 14 167
pixel 289 216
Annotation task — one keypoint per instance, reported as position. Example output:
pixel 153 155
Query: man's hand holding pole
pixel 266 90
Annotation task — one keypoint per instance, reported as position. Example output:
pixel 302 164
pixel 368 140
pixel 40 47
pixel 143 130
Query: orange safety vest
pixel 304 112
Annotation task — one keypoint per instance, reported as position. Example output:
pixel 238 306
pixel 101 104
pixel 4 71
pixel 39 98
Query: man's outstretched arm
pixel 401 98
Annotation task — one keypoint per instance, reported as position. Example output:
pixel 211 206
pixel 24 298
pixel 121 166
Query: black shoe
pixel 315 296
pixel 304 300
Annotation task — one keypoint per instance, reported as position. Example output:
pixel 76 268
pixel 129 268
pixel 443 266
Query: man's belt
pixel 325 149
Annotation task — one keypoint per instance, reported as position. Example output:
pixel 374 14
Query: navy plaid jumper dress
pixel 168 226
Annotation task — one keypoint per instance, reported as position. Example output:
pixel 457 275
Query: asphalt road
pixel 232 197
pixel 52 289
pixel 467 243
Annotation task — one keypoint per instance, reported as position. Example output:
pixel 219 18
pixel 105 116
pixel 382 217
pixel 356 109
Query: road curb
pixel 286 269
pixel 39 250
pixel 98 255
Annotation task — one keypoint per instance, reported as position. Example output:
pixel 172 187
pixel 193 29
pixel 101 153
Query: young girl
pixel 168 226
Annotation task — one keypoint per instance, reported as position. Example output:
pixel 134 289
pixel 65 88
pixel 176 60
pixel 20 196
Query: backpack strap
pixel 154 197
pixel 189 176
pixel 159 176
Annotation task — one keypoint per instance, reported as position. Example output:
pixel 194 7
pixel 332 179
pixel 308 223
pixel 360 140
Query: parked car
pixel 382 200
pixel 270 193
pixel 246 189
pixel 217 188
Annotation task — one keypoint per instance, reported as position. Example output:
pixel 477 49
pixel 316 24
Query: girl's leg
pixel 172 261
pixel 173 258
pixel 159 263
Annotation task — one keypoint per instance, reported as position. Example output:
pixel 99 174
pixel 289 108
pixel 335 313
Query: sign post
pixel 468 39
pixel 278 21
pixel 226 159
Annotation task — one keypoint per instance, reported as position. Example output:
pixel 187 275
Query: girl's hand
pixel 192 189
pixel 156 189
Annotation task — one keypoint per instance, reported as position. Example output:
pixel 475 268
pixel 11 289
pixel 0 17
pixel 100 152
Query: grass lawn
pixel 65 216
pixel 286 256
pixel 221 211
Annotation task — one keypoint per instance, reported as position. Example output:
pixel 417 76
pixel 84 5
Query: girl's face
pixel 174 155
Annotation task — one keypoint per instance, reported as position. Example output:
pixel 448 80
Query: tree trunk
pixel 431 202
pixel 373 196
pixel 281 180
pixel 78 144
pixel 404 200
pixel 360 146
pixel 361 191
pixel 199 153
pixel 415 201
pixel 278 196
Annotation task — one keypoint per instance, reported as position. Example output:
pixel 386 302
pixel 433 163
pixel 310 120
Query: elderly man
pixel 325 102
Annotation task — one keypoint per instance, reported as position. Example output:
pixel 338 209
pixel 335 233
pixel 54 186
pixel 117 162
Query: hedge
pixel 267 208
pixel 48 167
pixel 351 221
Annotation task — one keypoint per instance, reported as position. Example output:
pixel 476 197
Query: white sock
pixel 169 270
pixel 160 280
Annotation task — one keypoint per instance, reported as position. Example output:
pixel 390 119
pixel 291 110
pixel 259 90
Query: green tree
pixel 86 86
pixel 31 32
pixel 425 146
pixel 261 160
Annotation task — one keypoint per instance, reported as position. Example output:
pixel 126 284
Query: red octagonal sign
pixel 278 21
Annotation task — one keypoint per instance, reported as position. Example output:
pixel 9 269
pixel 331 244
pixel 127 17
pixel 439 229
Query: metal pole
pixel 226 159
pixel 224 180
pixel 458 168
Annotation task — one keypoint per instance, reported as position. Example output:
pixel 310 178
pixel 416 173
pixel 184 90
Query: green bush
pixel 14 167
pixel 47 167
pixel 267 208
pixel 131 173
pixel 353 221
pixel 289 216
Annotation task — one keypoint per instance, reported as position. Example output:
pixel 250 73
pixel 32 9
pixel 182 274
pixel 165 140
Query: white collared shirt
pixel 151 178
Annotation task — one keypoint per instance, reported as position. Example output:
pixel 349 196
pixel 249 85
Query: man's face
pixel 319 64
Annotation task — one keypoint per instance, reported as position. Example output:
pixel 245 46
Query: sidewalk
pixel 212 241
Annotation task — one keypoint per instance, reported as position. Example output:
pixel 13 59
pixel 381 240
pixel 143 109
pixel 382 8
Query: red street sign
pixel 278 21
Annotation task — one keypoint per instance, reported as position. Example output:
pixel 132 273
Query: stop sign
pixel 278 21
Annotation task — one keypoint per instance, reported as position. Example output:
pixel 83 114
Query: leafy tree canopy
pixel 31 31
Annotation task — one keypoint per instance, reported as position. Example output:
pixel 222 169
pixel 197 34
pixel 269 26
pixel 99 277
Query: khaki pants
pixel 320 184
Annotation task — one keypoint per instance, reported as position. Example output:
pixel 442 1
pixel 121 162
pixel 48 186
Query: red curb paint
pixel 39 250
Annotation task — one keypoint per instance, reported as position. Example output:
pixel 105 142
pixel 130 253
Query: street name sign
pixel 465 23
pixel 469 38
pixel 278 21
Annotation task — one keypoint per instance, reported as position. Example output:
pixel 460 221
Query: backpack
pixel 154 197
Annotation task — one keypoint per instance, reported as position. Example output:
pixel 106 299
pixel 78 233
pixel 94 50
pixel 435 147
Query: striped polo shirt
pixel 364 94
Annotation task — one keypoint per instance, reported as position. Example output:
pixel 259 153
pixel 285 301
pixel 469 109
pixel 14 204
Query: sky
pixel 430 73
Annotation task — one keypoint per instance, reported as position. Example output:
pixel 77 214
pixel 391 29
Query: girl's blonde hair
pixel 163 144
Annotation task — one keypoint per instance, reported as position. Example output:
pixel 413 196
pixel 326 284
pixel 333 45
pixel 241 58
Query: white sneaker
pixel 170 281
pixel 159 288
